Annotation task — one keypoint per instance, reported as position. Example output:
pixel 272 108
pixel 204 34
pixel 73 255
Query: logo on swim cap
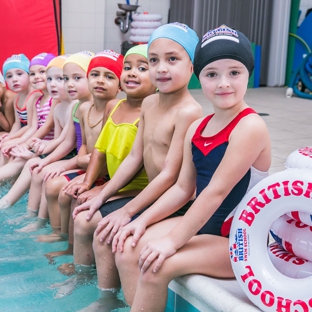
pixel 40 56
pixel 223 32
pixel 86 53
pixel 180 25
pixel 109 53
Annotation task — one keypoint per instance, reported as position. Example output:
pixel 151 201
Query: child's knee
pixel 52 188
pixel 63 199
pixel 128 256
pixel 82 227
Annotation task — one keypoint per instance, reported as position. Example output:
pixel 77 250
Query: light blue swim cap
pixel 16 61
pixel 179 33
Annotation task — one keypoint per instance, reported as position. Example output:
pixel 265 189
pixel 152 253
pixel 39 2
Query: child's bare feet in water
pixel 106 303
pixel 52 238
pixel 54 254
pixel 4 203
pixel 30 214
pixel 40 223
pixel 67 269
pixel 85 274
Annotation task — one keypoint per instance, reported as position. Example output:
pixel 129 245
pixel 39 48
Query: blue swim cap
pixel 16 61
pixel 179 33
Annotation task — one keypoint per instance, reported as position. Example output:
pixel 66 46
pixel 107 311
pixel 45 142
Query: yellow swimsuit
pixel 116 140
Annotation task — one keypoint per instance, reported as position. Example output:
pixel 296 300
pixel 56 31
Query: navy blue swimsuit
pixel 207 155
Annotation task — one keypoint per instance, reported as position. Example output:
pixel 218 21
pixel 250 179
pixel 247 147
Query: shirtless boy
pixel 158 146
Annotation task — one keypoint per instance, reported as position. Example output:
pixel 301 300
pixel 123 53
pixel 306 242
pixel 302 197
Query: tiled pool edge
pixel 193 293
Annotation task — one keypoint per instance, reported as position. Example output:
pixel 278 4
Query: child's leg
pixel 21 185
pixel 83 237
pixel 203 254
pixel 37 197
pixel 52 189
pixel 66 268
pixel 108 277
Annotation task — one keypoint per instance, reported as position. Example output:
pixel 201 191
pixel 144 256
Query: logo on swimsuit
pixel 207 144
pixel 239 250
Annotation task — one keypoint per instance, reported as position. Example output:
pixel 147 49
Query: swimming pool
pixel 25 273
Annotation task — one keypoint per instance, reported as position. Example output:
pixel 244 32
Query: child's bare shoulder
pixel 10 96
pixel 84 107
pixel 111 104
pixel 189 110
pixel 149 101
pixel 34 96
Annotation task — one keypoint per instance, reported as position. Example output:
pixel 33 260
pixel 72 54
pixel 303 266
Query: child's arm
pixel 7 114
pixel 161 183
pixel 25 132
pixel 96 166
pixel 15 127
pixel 125 173
pixel 66 146
pixel 46 127
pixel 32 121
pixel 250 136
pixel 47 147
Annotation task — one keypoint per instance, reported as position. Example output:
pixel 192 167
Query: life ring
pixel 141 31
pixel 146 17
pixel 139 39
pixel 146 24
pixel 294 236
pixel 263 284
pixel 301 217
pixel 300 158
pixel 288 263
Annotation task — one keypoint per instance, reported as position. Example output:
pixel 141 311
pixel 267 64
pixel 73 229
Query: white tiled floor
pixel 289 120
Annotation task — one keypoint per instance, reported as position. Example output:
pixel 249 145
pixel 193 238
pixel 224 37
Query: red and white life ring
pixel 263 284
pixel 294 236
pixel 145 24
pixel 301 217
pixel 300 158
pixel 141 31
pixel 288 263
pixel 139 39
pixel 146 17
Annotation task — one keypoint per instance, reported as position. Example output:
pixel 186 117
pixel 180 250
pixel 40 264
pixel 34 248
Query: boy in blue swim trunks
pixel 225 154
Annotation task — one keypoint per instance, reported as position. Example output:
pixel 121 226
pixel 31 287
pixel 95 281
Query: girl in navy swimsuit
pixel 225 154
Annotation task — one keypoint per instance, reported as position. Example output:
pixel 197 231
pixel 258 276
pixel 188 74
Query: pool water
pixel 25 273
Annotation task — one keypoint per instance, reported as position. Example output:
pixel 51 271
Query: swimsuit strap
pixel 74 112
pixel 39 100
pixel 116 106
pixel 31 93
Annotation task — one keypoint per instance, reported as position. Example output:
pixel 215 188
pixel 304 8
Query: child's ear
pixel 192 69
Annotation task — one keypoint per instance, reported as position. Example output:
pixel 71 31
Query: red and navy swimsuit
pixel 207 155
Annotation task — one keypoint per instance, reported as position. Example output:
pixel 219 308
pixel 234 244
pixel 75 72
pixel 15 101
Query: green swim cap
pixel 138 49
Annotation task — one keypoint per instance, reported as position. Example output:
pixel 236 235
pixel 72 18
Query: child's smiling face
pixel 37 77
